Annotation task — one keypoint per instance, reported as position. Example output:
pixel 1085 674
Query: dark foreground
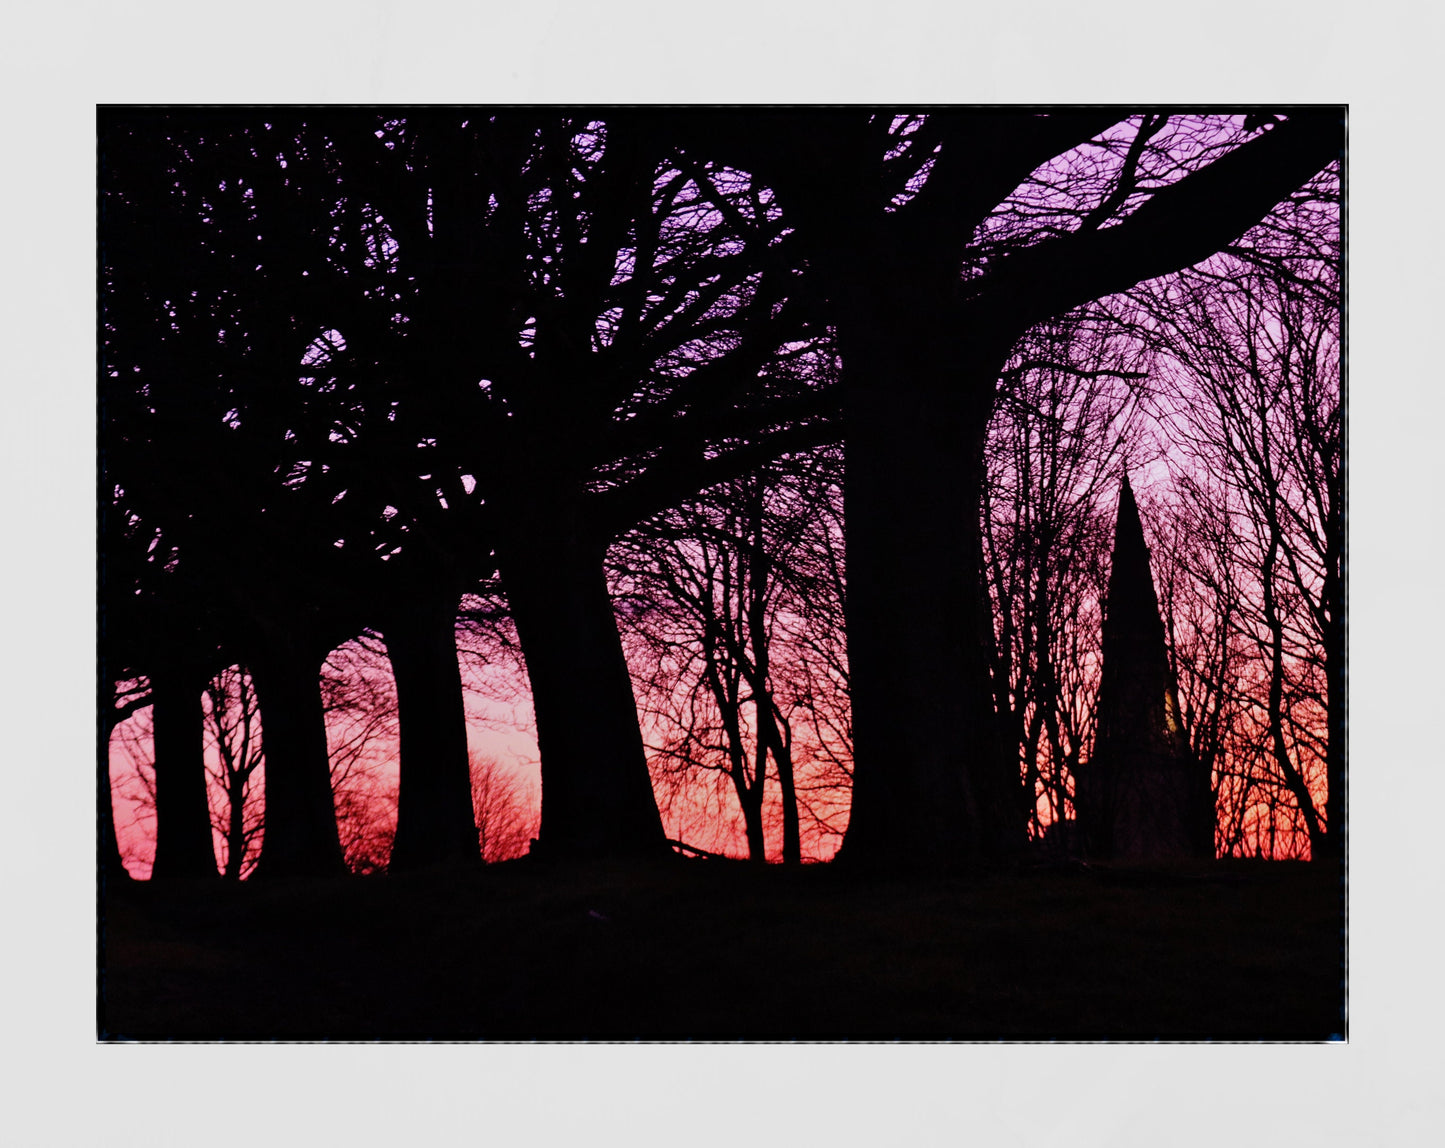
pixel 706 950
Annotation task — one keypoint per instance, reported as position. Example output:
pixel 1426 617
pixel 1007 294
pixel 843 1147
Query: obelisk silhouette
pixel 1141 796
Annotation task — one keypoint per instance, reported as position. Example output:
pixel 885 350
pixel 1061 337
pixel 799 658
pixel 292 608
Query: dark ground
pixel 714 950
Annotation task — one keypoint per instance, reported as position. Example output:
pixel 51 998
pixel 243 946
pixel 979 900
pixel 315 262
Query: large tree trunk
pixel 930 785
pixel 596 791
pixel 435 820
pixel 300 837
pixel 183 815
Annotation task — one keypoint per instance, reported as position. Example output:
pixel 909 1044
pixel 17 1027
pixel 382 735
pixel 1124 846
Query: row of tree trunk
pixel 285 654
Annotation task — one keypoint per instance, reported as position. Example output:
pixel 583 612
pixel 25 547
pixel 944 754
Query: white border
pixel 62 59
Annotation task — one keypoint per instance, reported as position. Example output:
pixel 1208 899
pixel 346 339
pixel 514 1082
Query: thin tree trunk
pixel 726 696
pixel 770 722
pixel 750 793
pixel 596 790
pixel 769 719
pixel 435 820
pixel 300 837
pixel 232 778
pixel 183 816
pixel 753 803
pixel 1279 750
pixel 1332 845
pixel 235 831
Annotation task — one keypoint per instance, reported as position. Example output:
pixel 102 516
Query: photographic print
pixel 713 573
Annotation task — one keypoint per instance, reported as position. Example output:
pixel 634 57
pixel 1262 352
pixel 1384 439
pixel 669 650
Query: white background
pixel 60 1087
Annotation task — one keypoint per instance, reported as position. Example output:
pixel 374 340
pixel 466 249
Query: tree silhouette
pixel 923 206
pixel 355 362
pixel 160 621
pixel 506 816
pixel 1065 421
pixel 232 727
pixel 716 594
pixel 1253 341
pixel 216 279
pixel 118 701
pixel 598 337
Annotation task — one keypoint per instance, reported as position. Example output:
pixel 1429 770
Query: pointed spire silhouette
pixel 1141 797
